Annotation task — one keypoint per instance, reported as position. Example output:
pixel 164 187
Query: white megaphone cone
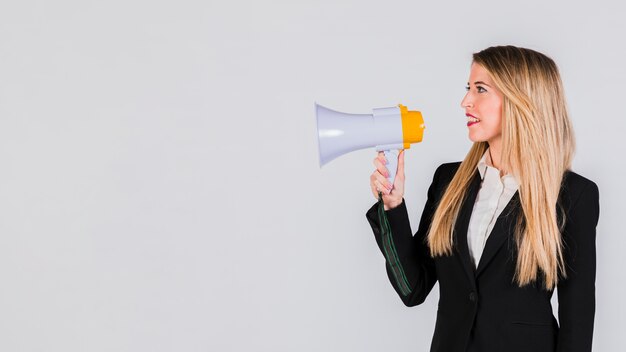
pixel 386 129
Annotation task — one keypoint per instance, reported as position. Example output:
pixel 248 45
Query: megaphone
pixel 386 129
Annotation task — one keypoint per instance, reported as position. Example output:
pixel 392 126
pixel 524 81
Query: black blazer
pixel 483 309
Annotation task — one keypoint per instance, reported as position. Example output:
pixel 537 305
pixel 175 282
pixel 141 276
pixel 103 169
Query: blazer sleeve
pixel 576 293
pixel 407 256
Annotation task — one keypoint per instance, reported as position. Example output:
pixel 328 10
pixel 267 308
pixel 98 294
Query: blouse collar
pixel 485 165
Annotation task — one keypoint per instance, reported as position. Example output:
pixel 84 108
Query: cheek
pixel 496 114
pixel 495 123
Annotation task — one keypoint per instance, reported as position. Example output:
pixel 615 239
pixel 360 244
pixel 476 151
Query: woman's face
pixel 483 101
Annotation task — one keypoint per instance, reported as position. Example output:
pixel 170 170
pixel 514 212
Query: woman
pixel 506 226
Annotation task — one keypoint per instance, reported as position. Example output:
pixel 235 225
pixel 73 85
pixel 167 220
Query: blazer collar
pixel 502 229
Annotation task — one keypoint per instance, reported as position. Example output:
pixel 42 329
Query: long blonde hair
pixel 537 147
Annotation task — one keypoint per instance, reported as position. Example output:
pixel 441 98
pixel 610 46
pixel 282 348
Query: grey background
pixel 159 185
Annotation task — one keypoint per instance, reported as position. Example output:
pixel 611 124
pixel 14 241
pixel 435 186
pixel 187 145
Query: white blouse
pixel 494 194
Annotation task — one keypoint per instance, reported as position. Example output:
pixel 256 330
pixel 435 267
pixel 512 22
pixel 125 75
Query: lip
pixel 471 122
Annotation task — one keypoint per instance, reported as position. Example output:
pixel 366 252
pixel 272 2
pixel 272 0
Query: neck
pixel 495 151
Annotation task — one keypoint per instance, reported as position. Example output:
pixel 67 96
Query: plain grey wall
pixel 159 185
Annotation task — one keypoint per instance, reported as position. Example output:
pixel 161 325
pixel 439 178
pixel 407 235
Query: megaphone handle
pixel 392 166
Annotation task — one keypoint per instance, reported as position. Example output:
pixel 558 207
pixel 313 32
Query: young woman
pixel 505 227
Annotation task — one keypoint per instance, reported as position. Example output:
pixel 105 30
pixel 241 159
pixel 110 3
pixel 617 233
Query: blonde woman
pixel 505 227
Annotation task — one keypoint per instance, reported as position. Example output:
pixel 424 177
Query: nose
pixel 467 101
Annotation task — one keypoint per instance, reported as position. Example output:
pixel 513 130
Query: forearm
pixel 411 251
pixel 409 267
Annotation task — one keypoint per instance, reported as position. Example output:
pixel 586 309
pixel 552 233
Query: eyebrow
pixel 480 82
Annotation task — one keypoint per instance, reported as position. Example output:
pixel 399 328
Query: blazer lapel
pixel 502 229
pixel 461 226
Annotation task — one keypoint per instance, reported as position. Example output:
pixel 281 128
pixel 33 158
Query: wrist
pixel 392 205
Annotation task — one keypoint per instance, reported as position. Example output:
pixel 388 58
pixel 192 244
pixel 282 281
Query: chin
pixel 476 139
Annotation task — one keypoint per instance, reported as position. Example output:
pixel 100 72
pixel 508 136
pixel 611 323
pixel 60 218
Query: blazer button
pixel 472 296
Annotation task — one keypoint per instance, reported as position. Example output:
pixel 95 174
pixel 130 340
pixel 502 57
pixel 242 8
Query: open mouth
pixel 471 120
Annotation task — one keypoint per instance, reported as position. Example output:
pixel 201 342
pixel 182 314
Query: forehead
pixel 479 73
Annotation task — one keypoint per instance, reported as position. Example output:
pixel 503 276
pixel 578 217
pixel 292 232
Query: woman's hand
pixel 392 197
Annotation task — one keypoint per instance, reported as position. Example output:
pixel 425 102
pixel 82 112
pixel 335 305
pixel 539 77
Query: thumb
pixel 400 170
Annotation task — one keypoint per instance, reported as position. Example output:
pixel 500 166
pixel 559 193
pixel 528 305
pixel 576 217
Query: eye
pixel 480 89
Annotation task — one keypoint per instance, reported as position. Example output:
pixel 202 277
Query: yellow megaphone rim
pixel 412 126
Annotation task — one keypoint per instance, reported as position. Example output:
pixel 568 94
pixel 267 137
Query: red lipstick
pixel 469 123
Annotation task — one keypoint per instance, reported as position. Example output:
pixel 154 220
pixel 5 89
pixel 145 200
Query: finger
pixel 398 182
pixel 381 188
pixel 383 159
pixel 378 182
pixel 374 190
pixel 373 181
pixel 383 183
pixel 380 167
